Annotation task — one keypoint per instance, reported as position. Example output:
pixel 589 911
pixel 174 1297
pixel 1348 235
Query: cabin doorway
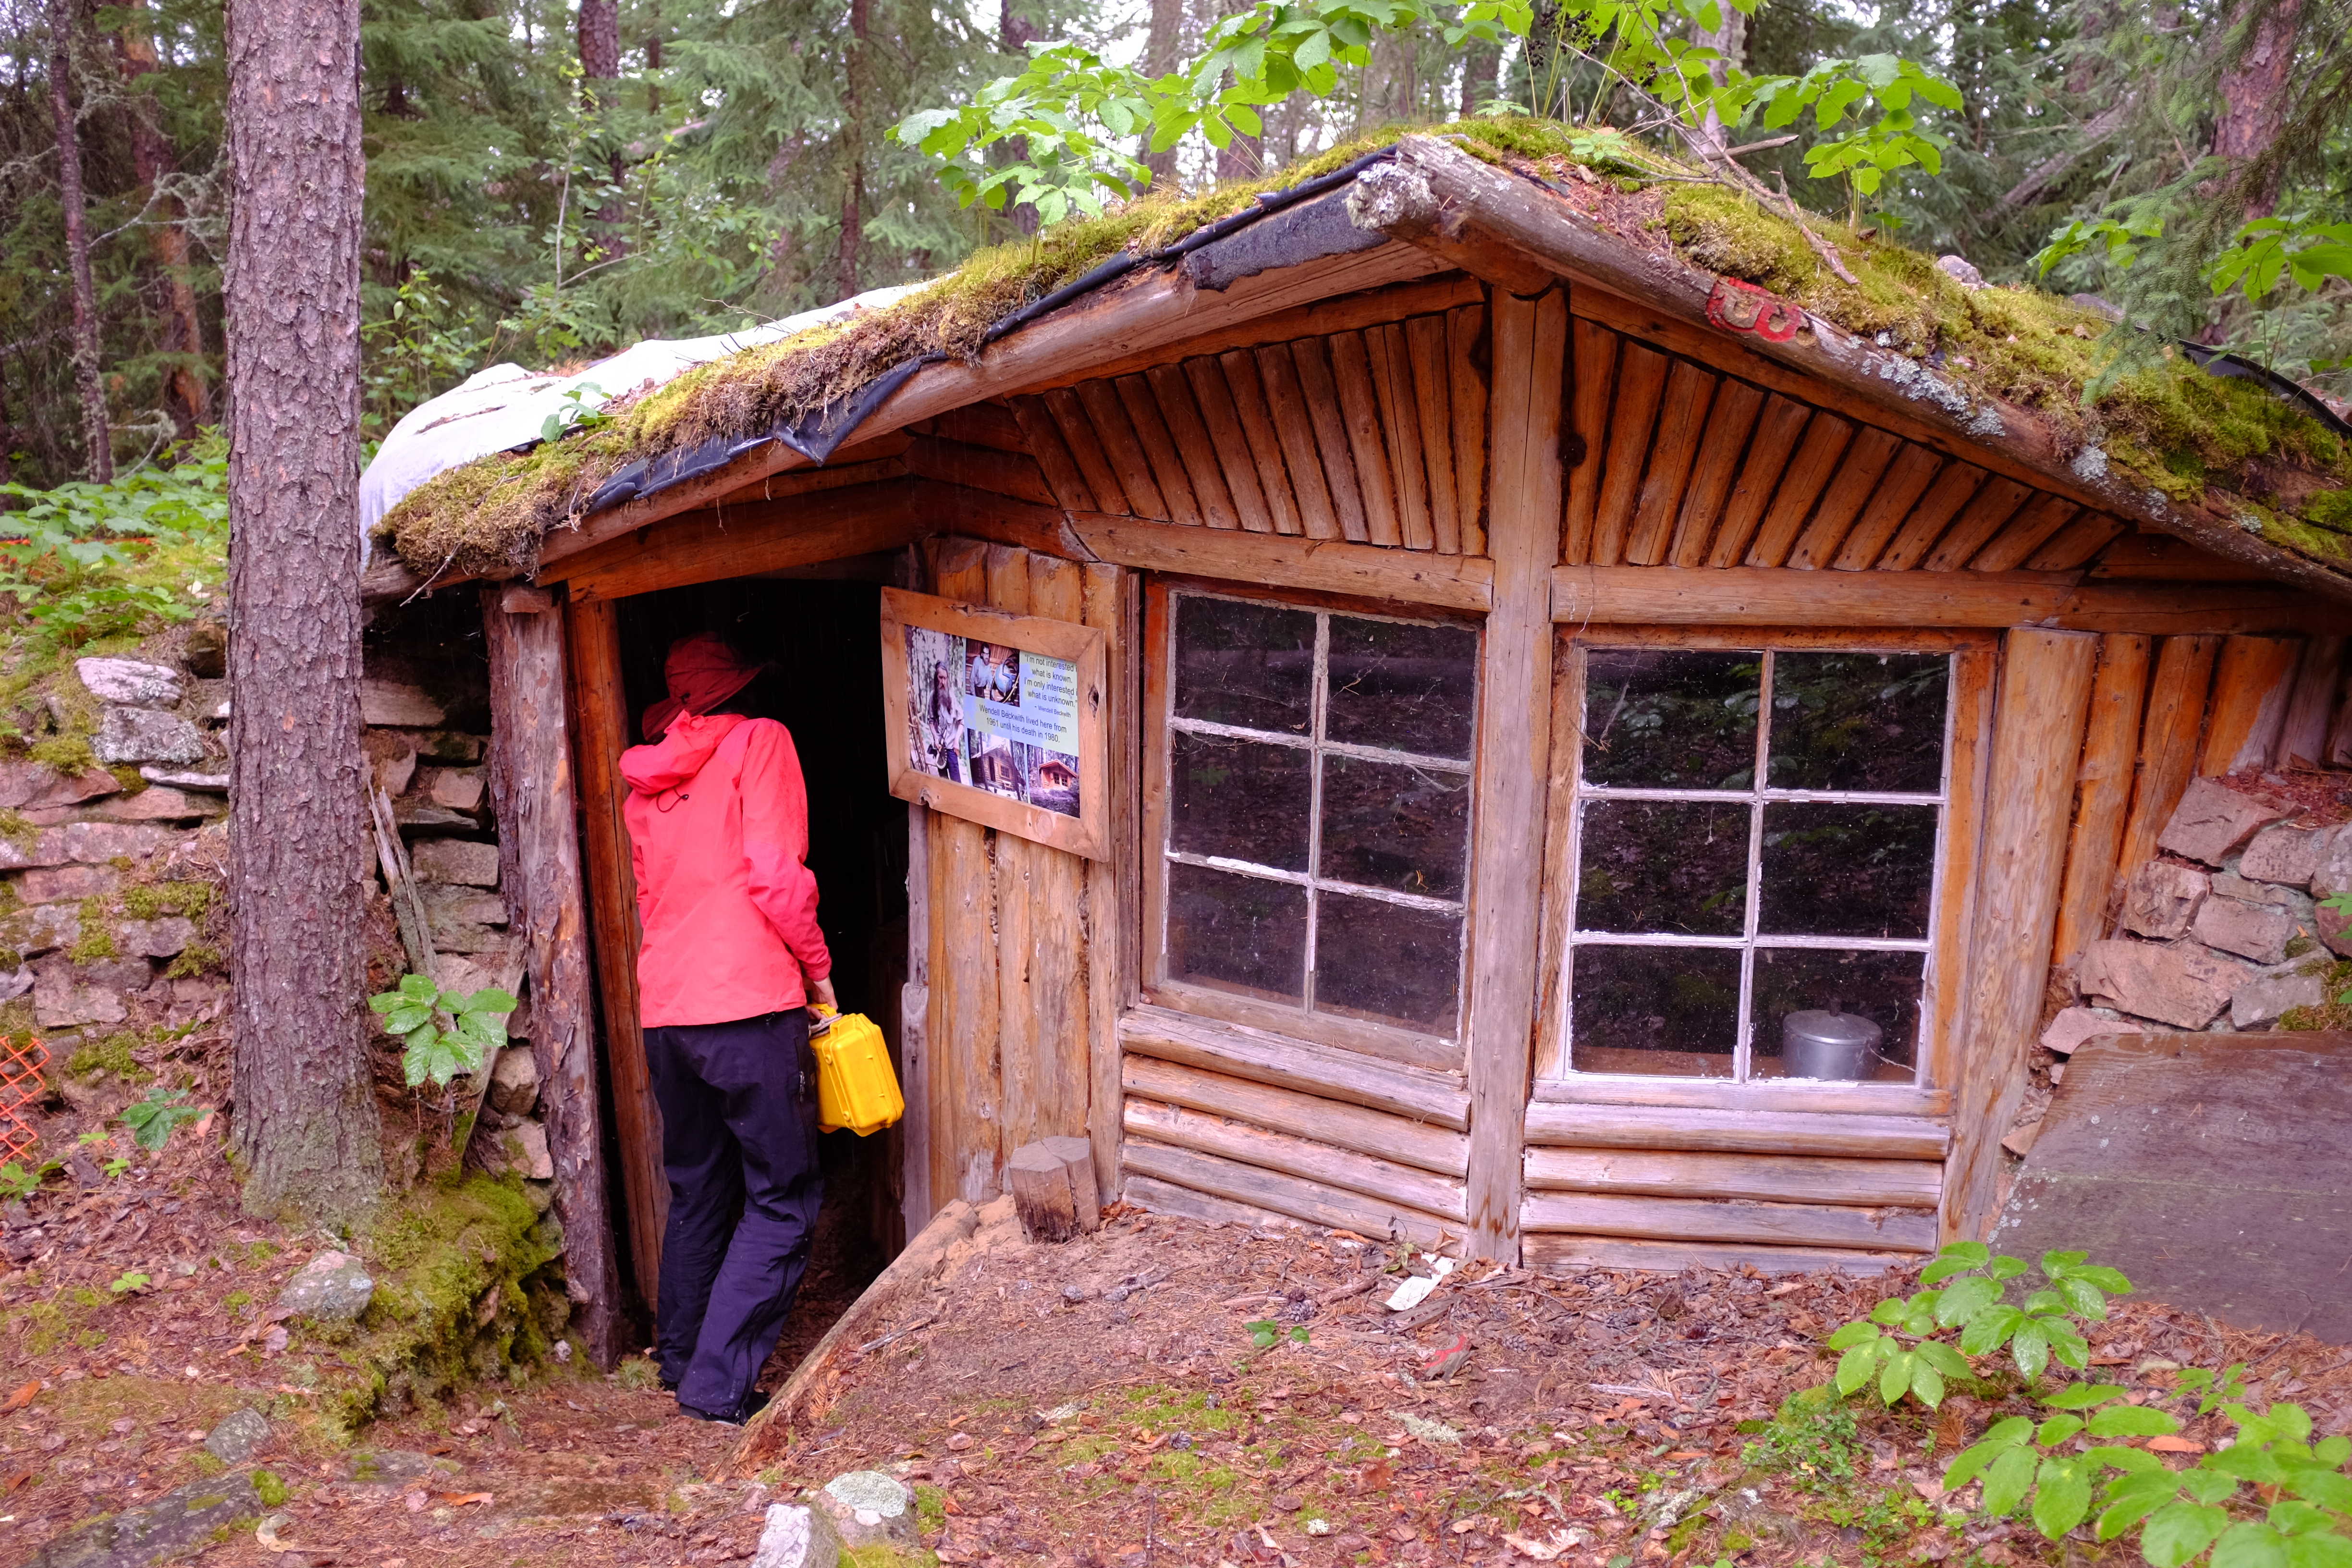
pixel 820 632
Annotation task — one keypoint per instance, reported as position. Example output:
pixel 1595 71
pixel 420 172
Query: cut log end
pixel 1054 1190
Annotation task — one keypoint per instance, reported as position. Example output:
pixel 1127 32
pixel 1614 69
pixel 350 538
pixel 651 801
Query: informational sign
pixel 998 717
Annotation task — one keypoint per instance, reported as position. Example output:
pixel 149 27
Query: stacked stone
pixel 2225 931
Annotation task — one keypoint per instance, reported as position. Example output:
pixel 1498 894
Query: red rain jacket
pixel 717 818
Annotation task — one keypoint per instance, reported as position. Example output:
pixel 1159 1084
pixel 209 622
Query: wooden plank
pixel 1014 474
pixel 1168 469
pixel 2161 557
pixel 1595 377
pixel 1172 390
pixel 1329 1073
pixel 915 1030
pixel 1857 480
pixel 1023 1055
pixel 967 1094
pixel 1332 436
pixel 1742 1132
pixel 1107 605
pixel 1308 1157
pixel 2303 739
pixel 1729 425
pixel 1000 520
pixel 1907 479
pixel 2103 793
pixel 1514 745
pixel 2167 741
pixel 1360 407
pixel 1641 383
pixel 1074 433
pixel 1317 1202
pixel 1800 485
pixel 2251 687
pixel 1055 954
pixel 1968 768
pixel 1783 596
pixel 1311 1116
pixel 704 546
pixel 2042 518
pixel 2166 608
pixel 1947 496
pixel 1464 324
pixel 2211 1169
pixel 533 790
pixel 2075 543
pixel 984 424
pixel 1266 451
pixel 1433 377
pixel 1696 1219
pixel 1681 420
pixel 1054 457
pixel 2045 696
pixel 1401 428
pixel 1155 1196
pixel 1649 1173
pixel 1778 430
pixel 1105 414
pixel 1555 1254
pixel 837 474
pixel 1365 570
pixel 1295 431
pixel 1987 513
pixel 600 703
pixel 1231 443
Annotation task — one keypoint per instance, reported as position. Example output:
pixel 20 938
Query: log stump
pixel 1053 1188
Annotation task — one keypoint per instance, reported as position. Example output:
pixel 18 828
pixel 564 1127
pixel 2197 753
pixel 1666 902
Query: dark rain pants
pixel 738 1126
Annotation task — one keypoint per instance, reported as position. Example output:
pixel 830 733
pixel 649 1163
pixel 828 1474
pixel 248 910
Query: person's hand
pixel 821 994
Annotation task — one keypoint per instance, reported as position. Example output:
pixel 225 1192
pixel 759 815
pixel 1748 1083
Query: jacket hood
pixel 679 754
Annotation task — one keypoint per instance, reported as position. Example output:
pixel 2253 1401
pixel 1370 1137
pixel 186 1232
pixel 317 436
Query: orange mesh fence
pixel 22 1057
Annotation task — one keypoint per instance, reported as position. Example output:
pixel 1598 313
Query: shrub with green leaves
pixel 151 1119
pixel 1901 1348
pixel 443 1033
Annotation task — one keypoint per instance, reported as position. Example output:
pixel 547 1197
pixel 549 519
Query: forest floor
pixel 1096 1405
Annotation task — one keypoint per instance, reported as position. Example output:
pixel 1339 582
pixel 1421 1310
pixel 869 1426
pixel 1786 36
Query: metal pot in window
pixel 1826 1043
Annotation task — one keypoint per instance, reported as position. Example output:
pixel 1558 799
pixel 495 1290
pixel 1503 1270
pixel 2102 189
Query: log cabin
pixel 1533 634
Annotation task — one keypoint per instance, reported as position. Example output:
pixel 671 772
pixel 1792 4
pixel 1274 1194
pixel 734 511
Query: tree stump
pixel 1053 1188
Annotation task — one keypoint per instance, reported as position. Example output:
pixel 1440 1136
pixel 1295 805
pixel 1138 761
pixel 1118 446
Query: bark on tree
pixel 187 396
pixel 1730 42
pixel 1161 38
pixel 2254 103
pixel 600 62
pixel 99 461
pixel 305 1112
pixel 853 195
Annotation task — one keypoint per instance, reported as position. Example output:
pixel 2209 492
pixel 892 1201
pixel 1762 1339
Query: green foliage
pixel 445 1033
pixel 126 1283
pixel 17 1183
pixel 1899 1349
pixel 577 412
pixel 1820 1442
pixel 151 1119
pixel 1265 1333
pixel 72 572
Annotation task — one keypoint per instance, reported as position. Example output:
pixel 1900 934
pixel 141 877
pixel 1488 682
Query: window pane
pixel 1859 721
pixel 1252 664
pixel 1388 825
pixel 1847 871
pixel 1387 963
pixel 1670 719
pixel 1884 987
pixel 1244 800
pixel 1413 688
pixel 1673 1011
pixel 1663 866
pixel 1237 933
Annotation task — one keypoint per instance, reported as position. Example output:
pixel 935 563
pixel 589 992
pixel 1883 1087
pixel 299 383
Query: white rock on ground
pixel 205 783
pixel 459 789
pixel 2161 899
pixel 871 1509
pixel 2073 1025
pixel 525 1146
pixel 797 1536
pixel 2333 874
pixel 145 735
pixel 514 1081
pixel 456 861
pixel 389 703
pixel 2256 931
pixel 2263 1000
pixel 128 681
pixel 332 1288
pixel 2179 984
pixel 2288 855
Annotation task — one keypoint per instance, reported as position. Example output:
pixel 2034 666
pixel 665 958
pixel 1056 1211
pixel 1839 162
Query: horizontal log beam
pixel 1342 1168
pixel 742 541
pixel 1555 1254
pixel 1778 1225
pixel 1328 566
pixel 1649 1173
pixel 1311 1116
pixel 1317 1202
pixel 1734 1131
pixel 1262 1057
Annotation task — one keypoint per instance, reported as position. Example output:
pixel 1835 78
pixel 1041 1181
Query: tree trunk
pixel 100 443
pixel 853 195
pixel 1481 75
pixel 305 1112
pixel 187 397
pixel 1161 39
pixel 1730 42
pixel 600 62
pixel 2254 103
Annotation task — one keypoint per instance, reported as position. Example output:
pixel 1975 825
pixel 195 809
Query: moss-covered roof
pixel 2168 425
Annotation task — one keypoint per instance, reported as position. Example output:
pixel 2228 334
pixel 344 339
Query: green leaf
pixel 2249 1545
pixel 1855 1366
pixel 419 988
pixel 2030 1347
pixel 2332 1450
pixel 489 1000
pixel 2207 1485
pixel 2085 1297
pixel 1989 1330
pixel 2133 1460
pixel 1956 1259
pixel 2057 1430
pixel 1895 1377
pixel 1943 1357
pixel 1851 1335
pixel 1970 1463
pixel 1890 1312
pixel 406 1017
pixel 2320 1549
pixel 1965 1300
pixel 2063 1498
pixel 2325 1486
pixel 2132 1421
pixel 2007 1480
pixel 2247 1461
pixel 2179 1531
pixel 2292 1518
pixel 2083 1395
pixel 1926 1384
pixel 2066 1344
pixel 2006 1267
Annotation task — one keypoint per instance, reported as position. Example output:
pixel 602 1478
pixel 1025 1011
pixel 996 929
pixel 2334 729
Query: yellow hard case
pixel 854 1086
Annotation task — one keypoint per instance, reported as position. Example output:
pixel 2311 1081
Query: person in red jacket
pixel 718 819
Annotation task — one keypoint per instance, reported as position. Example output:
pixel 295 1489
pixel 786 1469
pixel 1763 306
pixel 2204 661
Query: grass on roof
pixel 2168 425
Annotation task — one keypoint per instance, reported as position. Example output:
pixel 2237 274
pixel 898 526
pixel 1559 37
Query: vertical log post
pixel 1530 350
pixel 966 1143
pixel 532 789
pixel 2104 782
pixel 1054 1190
pixel 2038 723
pixel 2303 743
pixel 2251 687
pixel 1110 604
pixel 2167 742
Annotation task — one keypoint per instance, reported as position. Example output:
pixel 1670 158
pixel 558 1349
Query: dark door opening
pixel 820 635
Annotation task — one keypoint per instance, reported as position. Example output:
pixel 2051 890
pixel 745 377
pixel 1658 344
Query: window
pixel 1757 832
pixel 1309 842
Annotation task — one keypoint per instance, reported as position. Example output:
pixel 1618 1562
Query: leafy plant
pixel 129 1283
pixel 151 1119
pixel 1864 156
pixel 445 1033
pixel 576 413
pixel 1900 1348
pixel 17 1183
pixel 1265 1333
